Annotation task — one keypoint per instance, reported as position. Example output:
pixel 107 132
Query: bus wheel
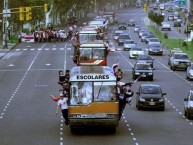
pixel 112 129
pixel 73 130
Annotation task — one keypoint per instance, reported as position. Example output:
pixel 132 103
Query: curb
pixel 8 50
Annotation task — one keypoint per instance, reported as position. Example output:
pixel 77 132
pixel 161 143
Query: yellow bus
pixel 93 100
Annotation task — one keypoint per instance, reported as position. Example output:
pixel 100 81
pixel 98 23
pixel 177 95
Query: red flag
pixel 55 99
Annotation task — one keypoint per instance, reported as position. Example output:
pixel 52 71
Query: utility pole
pixel 5 37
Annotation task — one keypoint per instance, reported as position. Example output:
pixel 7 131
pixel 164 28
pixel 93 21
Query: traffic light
pixel 28 13
pixel 45 7
pixel 21 13
pixel 145 7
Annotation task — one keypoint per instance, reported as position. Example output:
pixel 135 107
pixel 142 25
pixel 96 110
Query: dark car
pixel 122 26
pixel 155 49
pixel 146 58
pixel 142 70
pixel 131 23
pixel 144 35
pixel 122 39
pixel 177 24
pixel 150 96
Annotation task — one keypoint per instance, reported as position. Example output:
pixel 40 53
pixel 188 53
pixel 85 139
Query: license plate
pixel 151 103
pixel 143 75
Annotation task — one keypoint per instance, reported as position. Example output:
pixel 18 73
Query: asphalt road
pixel 29 75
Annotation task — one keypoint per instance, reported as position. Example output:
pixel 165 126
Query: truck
pixel 188 105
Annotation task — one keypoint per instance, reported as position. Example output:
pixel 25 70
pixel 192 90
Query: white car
pixel 161 7
pixel 116 35
pixel 135 51
pixel 166 26
pixel 129 44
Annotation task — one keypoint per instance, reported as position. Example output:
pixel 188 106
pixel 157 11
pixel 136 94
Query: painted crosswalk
pixel 39 49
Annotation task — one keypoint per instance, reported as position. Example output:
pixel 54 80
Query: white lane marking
pixel 11 65
pixel 130 130
pixel 20 83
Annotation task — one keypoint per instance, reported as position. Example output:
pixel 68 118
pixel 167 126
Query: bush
pixel 166 35
pixel 184 43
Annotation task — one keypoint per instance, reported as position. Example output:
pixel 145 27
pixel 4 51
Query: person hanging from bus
pixel 124 97
pixel 63 106
pixel 119 74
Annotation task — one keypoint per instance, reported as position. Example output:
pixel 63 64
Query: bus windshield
pixel 92 53
pixel 87 37
pixel 84 93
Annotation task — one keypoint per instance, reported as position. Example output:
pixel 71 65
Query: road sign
pixel 6 13
pixel 182 2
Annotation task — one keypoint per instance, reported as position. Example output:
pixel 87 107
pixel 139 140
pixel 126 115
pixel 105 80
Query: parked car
pixel 145 58
pixel 150 96
pixel 188 105
pixel 155 49
pixel 179 60
pixel 116 35
pixel 122 26
pixel 142 70
pixel 189 72
pixel 129 44
pixel 123 38
pixel 135 51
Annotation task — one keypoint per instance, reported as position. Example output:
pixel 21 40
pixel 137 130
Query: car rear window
pixel 151 90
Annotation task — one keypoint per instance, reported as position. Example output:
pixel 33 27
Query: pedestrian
pixel 63 106
pixel 124 97
pixel 119 74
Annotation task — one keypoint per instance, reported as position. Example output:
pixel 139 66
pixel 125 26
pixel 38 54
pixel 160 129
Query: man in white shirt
pixel 63 106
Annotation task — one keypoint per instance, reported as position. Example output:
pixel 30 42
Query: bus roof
pixel 92 73
pixel 88 32
pixel 95 43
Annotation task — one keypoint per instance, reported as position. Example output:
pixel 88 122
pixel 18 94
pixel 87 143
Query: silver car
pixel 116 35
pixel 129 44
pixel 189 72
pixel 179 61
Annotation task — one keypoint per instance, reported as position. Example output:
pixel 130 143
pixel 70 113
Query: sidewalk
pixel 3 51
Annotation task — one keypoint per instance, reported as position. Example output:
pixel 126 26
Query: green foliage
pixel 173 43
pixel 155 17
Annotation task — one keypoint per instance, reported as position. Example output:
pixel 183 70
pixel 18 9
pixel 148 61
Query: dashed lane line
pixel 130 130
pixel 19 85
